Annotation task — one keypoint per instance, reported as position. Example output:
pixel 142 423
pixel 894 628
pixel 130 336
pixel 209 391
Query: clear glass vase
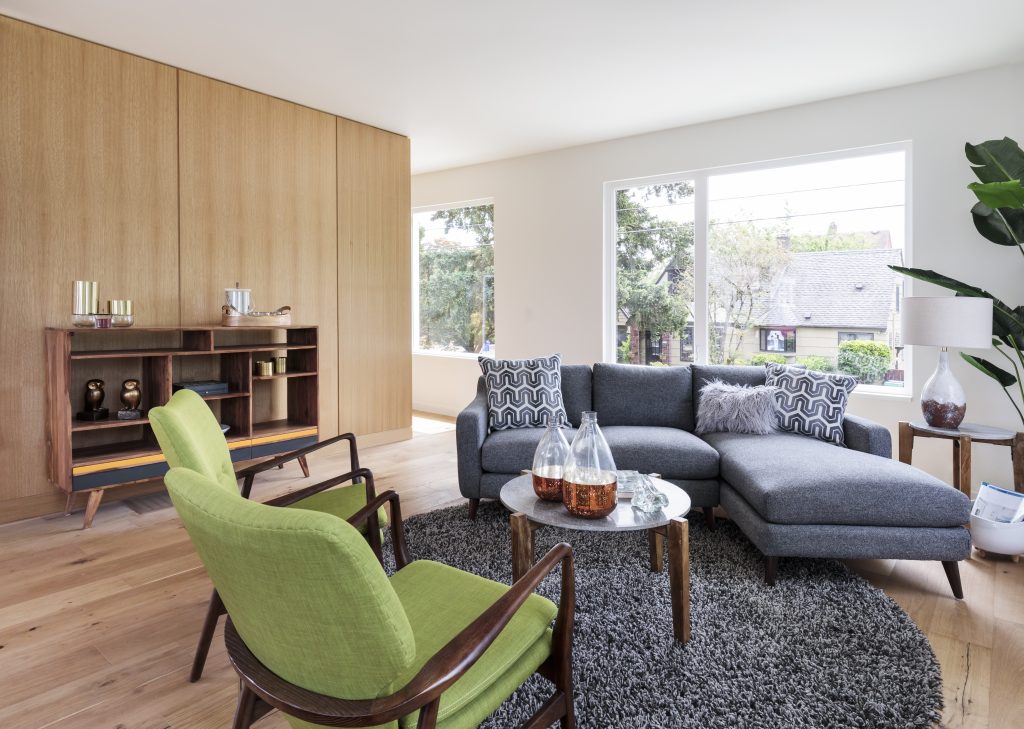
pixel 549 464
pixel 588 482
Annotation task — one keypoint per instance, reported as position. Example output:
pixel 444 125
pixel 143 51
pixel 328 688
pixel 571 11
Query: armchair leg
pixel 213 613
pixel 244 708
pixel 771 567
pixel 473 505
pixel 953 575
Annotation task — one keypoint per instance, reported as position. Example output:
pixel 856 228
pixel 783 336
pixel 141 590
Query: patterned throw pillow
pixel 523 393
pixel 810 403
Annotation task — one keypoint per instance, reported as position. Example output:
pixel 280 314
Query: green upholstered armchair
pixel 321 632
pixel 190 437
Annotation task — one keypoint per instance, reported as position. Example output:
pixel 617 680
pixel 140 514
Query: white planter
pixel 997 537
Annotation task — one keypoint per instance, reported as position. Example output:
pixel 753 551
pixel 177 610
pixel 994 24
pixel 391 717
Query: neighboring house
pixel 820 299
pixel 824 298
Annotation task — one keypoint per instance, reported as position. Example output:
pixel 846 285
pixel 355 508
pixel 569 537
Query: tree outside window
pixel 456 279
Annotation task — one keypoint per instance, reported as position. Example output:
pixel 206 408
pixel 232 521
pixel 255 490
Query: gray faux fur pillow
pixel 726 408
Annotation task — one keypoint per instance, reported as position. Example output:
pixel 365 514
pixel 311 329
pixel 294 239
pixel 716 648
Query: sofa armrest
pixel 867 436
pixel 470 434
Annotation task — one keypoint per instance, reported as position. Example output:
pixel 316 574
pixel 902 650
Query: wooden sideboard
pixel 266 414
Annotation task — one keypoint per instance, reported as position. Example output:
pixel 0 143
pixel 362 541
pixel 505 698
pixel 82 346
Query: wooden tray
pixel 232 317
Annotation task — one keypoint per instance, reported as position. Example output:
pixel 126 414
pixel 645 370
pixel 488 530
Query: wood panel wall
pixel 374 280
pixel 259 206
pixel 88 190
pixel 305 208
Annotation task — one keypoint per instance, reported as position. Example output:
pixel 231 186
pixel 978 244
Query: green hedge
pixel 867 361
pixel 817 363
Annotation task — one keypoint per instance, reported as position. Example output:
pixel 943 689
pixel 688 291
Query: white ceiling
pixel 477 80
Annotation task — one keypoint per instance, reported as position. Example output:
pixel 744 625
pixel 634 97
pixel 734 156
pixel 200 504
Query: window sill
pixel 902 393
pixel 450 355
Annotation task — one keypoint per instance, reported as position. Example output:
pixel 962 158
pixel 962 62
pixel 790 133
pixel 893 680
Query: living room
pixel 402 254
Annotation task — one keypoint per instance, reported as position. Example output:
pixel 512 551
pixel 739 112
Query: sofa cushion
pixel 729 374
pixel 810 403
pixel 577 382
pixel 793 479
pixel 523 393
pixel 672 452
pixel 637 395
pixel 511 451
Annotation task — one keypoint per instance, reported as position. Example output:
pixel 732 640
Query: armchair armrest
pixel 867 436
pixel 442 670
pixel 369 513
pixel 470 434
pixel 249 473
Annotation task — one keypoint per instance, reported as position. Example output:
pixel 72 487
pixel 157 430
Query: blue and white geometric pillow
pixel 523 393
pixel 810 403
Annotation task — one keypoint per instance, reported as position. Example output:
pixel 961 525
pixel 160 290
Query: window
pixel 654 273
pixel 454 279
pixel 780 339
pixel 854 336
pixel 784 261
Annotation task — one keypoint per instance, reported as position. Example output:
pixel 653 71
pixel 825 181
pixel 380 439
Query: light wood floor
pixel 98 627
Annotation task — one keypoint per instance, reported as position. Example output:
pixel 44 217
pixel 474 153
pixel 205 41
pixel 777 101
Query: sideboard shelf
pixel 90 456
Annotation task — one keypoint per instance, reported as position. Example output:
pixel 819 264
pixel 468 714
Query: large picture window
pixel 454 279
pixel 784 262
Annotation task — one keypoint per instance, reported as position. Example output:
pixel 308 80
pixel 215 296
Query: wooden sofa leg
pixel 771 566
pixel 709 517
pixel 953 575
pixel 473 504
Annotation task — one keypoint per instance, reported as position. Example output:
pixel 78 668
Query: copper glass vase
pixel 549 462
pixel 588 481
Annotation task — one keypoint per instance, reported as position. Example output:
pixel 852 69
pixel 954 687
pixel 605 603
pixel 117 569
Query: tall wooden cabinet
pixel 166 187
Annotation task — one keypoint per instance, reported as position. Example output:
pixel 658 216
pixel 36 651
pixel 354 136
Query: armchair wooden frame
pixel 262 689
pixel 248 475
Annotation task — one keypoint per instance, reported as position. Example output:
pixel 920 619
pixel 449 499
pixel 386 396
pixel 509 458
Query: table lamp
pixel 946 321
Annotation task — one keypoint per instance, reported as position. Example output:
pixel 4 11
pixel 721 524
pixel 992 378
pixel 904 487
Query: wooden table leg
pixel 522 545
pixel 69 503
pixel 93 504
pixel 962 464
pixel 656 544
pixel 1017 454
pixel 906 435
pixel 679 577
pixel 304 466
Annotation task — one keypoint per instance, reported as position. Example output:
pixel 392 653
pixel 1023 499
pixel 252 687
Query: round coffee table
pixel 530 512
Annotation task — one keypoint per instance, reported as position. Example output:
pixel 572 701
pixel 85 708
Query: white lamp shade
pixel 947 321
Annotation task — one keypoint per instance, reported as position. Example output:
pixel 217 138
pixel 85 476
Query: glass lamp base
pixel 943 401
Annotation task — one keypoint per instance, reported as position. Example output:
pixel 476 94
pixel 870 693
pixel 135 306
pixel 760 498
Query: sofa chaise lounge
pixel 793 496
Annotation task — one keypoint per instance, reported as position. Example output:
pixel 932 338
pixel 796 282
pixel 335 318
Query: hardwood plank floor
pixel 98 627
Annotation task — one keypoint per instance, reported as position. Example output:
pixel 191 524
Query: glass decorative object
pixel 646 496
pixel 549 463
pixel 589 479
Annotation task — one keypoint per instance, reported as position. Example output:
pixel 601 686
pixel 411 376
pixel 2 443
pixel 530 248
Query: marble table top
pixel 980 433
pixel 518 495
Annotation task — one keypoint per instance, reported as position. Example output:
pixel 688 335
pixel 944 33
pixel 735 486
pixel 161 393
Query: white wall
pixel 548 228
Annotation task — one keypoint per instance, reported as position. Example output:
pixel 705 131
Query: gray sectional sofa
pixel 791 495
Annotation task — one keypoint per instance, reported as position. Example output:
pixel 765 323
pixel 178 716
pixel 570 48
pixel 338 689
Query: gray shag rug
pixel 822 648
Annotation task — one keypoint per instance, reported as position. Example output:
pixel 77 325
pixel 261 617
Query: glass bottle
pixel 549 462
pixel 589 482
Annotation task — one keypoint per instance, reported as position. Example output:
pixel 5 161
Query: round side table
pixel 530 512
pixel 962 438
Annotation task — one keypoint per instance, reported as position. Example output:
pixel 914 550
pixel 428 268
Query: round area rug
pixel 822 648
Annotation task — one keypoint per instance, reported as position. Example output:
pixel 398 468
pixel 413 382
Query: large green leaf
pixel 997 373
pixel 997 160
pixel 1006 322
pixel 999 194
pixel 1004 226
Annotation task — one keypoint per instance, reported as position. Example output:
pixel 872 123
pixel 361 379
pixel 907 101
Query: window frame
pixel 414 243
pixel 699 178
